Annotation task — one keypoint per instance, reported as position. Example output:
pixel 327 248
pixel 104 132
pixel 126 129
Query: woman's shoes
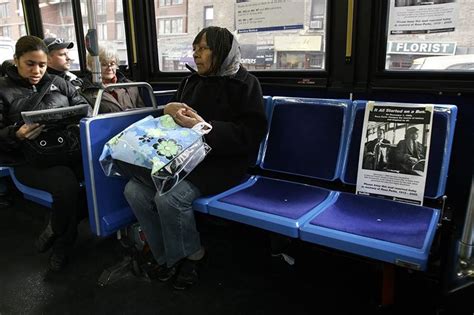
pixel 161 272
pixel 46 239
pixel 57 261
pixel 188 274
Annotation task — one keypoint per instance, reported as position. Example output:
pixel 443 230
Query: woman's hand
pixel 172 108
pixel 187 117
pixel 29 131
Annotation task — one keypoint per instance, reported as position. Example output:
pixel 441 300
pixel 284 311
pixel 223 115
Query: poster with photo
pixel 394 151
pixel 269 15
pixel 422 17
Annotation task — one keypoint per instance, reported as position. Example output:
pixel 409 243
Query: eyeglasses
pixel 56 41
pixel 105 65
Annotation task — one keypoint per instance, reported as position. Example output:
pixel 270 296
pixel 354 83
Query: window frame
pixel 434 81
pixel 301 78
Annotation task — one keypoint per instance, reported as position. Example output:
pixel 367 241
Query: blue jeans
pixel 167 221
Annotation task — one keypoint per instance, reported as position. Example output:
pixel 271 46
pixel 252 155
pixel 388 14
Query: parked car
pixel 454 63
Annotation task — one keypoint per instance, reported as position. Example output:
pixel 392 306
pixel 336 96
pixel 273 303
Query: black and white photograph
pixel 395 148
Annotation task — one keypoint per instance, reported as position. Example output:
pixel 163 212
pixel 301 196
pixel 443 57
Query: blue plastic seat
pixel 382 229
pixel 306 138
pixel 108 209
pixel 201 204
pixel 39 196
pixel 4 171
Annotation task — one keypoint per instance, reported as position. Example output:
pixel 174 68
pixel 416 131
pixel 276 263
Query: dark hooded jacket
pixel 126 98
pixel 18 95
pixel 233 105
pixel 68 76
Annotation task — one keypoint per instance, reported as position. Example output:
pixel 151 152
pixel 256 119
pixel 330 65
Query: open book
pixel 63 115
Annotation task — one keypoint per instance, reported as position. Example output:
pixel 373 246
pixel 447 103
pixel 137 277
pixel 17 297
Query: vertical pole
pixel 92 42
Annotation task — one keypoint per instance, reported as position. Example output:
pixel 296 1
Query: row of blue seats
pixel 321 139
pixel 309 138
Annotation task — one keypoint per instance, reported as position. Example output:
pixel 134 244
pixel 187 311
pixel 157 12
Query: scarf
pixel 231 63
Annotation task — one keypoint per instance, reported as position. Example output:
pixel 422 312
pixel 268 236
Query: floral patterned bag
pixel 156 149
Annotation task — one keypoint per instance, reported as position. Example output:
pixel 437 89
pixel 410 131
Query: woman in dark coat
pixel 228 97
pixel 19 90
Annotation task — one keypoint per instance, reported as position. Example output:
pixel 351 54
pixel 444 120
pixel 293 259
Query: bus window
pixel 58 21
pixel 429 35
pixel 11 28
pixel 110 25
pixel 273 35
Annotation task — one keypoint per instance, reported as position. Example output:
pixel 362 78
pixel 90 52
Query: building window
pixel 70 33
pixel 101 9
pixel 102 31
pixel 66 9
pixel 164 3
pixel 22 29
pixel 4 10
pixel 20 8
pixel 120 30
pixel 208 15
pixel 83 9
pixel 118 6
pixel 5 31
pixel 170 26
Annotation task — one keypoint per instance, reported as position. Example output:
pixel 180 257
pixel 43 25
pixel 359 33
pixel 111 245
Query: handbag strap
pixel 39 97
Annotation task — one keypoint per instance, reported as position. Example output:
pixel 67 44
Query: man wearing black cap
pixel 410 152
pixel 59 61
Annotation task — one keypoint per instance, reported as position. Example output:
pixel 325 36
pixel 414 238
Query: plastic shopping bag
pixel 156 149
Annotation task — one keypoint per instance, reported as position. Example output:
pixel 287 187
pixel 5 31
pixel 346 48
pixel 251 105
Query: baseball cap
pixel 57 43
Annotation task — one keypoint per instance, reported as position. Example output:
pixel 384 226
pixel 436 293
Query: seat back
pixel 108 209
pixel 41 197
pixel 306 137
pixel 4 171
pixel 201 204
pixel 444 120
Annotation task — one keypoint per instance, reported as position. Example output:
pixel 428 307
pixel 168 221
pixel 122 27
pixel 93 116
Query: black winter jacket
pixel 18 95
pixel 234 108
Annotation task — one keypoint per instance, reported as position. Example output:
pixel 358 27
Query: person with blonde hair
pixel 118 99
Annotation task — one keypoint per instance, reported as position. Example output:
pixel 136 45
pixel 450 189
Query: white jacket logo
pixel 54 88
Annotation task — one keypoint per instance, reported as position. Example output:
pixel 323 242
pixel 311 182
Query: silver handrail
pixel 467 241
pixel 123 85
pixel 164 92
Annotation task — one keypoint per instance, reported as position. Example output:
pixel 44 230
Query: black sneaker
pixel 57 261
pixel 161 273
pixel 188 274
pixel 46 239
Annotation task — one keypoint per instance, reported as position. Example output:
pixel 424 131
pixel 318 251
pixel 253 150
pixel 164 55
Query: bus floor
pixel 239 276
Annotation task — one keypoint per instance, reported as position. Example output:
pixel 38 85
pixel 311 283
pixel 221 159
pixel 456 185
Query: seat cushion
pixel 381 219
pixel 282 198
